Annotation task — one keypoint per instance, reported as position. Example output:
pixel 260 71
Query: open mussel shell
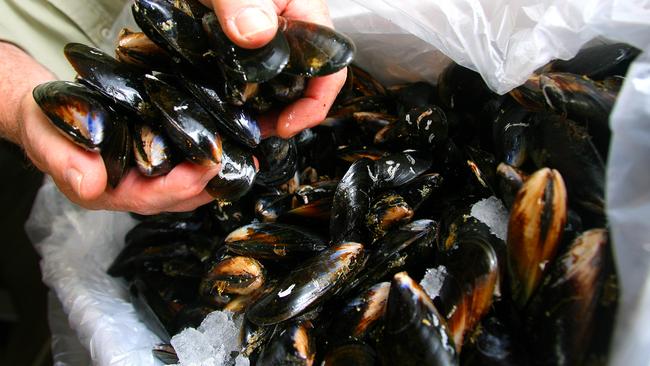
pixel 290 345
pixel 236 176
pixel 562 316
pixel 187 124
pixel 116 152
pixel 153 152
pixel 351 202
pixel 236 121
pixel 273 241
pixel 234 275
pixel 352 353
pixel 137 50
pixel 174 30
pixel 118 82
pixel 415 333
pixel 309 284
pixel 278 161
pixel 76 111
pixel 251 65
pixel 535 228
pixel 315 49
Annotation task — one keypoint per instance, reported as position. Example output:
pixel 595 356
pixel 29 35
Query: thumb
pixel 79 174
pixel 248 23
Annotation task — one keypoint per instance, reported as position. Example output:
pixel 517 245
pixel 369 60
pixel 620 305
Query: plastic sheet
pixel 505 40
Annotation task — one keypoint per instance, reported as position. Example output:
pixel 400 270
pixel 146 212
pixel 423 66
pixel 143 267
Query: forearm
pixel 19 74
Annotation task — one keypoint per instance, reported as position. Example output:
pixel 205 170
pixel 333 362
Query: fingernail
pixel 73 177
pixel 252 21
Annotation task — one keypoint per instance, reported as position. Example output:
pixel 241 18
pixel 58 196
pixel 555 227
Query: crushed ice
pixel 433 280
pixel 492 213
pixel 214 343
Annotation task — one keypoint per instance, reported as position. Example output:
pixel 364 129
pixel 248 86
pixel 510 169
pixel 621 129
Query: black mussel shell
pixel 462 89
pixel 309 284
pixel 250 65
pixel 353 353
pixel 174 30
pixel 509 181
pixel 233 275
pixel 351 202
pixel 226 216
pixel 187 124
pixel 165 353
pixel 76 111
pixel 351 154
pixel 193 8
pixel 237 122
pixel 598 62
pixel 363 83
pixel 153 152
pixel 468 285
pixel 481 166
pixel 529 95
pixel 511 134
pixel 561 144
pixel 563 315
pixel 414 95
pixel 398 169
pixel 386 212
pixel 306 194
pixel 290 345
pixel 152 309
pixel 118 82
pixel 236 176
pixel 581 100
pixel 269 207
pixel 410 246
pixel 359 317
pixel 495 344
pixel 253 338
pixel 535 228
pixel 422 127
pixel 315 49
pixel 415 334
pixel 116 152
pixel 278 161
pixel 274 241
pixel 136 49
pixel 419 190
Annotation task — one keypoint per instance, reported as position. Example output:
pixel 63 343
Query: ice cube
pixel 214 343
pixel 242 360
pixel 492 213
pixel 192 347
pixel 433 280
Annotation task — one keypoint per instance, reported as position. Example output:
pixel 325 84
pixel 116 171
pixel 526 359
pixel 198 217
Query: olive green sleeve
pixel 43 27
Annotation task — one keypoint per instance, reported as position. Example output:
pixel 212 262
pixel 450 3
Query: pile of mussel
pixel 322 258
pixel 322 251
pixel 180 89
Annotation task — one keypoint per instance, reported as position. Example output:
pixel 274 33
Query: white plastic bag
pixel 505 40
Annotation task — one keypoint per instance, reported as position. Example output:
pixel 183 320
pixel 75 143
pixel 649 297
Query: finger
pixel 268 122
pixel 312 108
pixel 146 195
pixel 79 174
pixel 248 23
pixel 314 11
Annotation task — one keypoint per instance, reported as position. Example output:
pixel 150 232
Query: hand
pixel 252 24
pixel 81 175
